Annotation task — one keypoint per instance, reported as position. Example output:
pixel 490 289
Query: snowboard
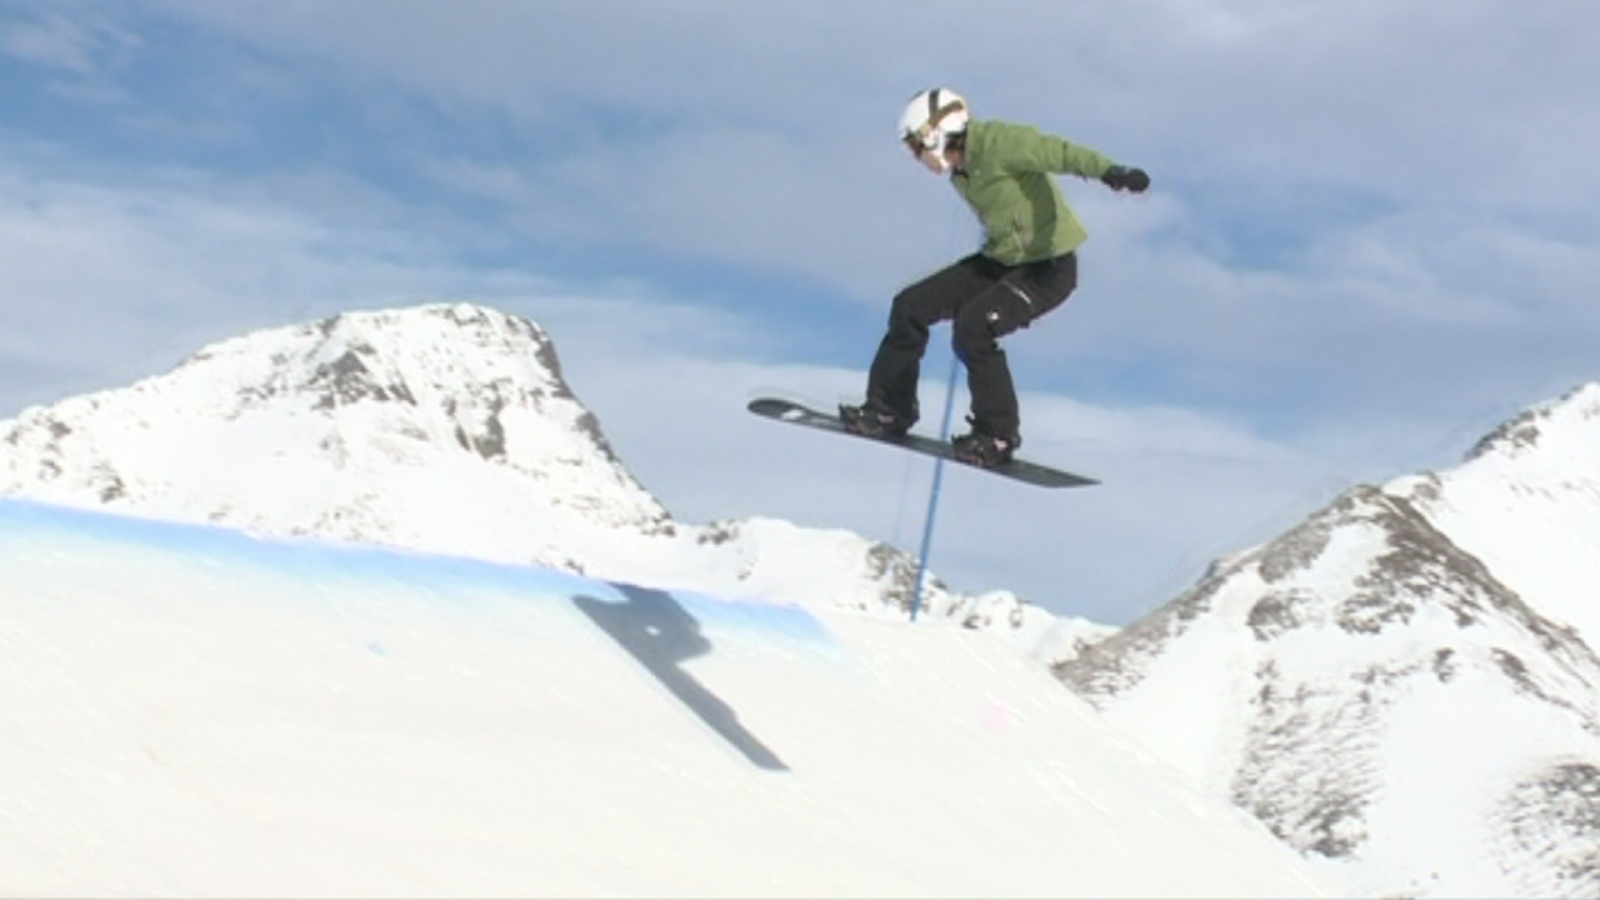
pixel 1017 469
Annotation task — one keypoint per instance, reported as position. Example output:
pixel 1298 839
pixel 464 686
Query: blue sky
pixel 1372 234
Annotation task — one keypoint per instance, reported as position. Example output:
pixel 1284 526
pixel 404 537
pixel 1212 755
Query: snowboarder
pixel 1027 266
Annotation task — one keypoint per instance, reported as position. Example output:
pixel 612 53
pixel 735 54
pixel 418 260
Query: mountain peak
pixel 417 357
pixel 354 426
pixel 1578 409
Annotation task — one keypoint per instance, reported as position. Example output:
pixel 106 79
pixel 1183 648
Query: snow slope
pixel 193 711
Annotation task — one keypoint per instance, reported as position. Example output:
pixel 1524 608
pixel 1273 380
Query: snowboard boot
pixel 979 448
pixel 872 420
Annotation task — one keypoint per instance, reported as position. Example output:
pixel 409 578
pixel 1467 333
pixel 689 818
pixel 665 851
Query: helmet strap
pixel 936 113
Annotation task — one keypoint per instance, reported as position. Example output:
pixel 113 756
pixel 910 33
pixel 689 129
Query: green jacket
pixel 1006 179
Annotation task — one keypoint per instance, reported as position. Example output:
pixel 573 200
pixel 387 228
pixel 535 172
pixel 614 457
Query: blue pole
pixel 933 497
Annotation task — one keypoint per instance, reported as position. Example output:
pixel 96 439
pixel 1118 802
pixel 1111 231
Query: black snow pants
pixel 987 300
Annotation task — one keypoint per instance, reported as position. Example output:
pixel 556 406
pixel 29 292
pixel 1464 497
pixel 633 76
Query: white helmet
pixel 931 118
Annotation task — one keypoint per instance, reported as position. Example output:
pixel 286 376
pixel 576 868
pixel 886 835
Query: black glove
pixel 1122 178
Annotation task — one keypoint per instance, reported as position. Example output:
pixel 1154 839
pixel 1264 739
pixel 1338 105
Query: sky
pixel 1370 237
pixel 457 728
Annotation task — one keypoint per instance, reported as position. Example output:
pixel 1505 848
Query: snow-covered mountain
pixel 1405 684
pixel 444 428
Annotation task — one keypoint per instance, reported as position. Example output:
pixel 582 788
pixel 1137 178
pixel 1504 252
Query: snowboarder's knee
pixel 971 337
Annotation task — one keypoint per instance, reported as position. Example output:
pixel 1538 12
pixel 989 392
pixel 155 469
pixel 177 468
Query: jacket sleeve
pixel 1029 150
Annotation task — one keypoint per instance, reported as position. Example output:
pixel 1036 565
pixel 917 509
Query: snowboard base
pixel 1017 469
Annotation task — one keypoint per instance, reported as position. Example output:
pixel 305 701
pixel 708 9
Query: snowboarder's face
pixel 929 159
pixel 933 161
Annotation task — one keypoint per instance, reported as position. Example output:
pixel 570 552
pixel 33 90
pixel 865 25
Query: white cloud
pixel 53 41
pixel 757 136
pixel 105 281
pixel 79 48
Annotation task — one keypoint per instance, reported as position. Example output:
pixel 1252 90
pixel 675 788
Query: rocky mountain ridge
pixel 1404 684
